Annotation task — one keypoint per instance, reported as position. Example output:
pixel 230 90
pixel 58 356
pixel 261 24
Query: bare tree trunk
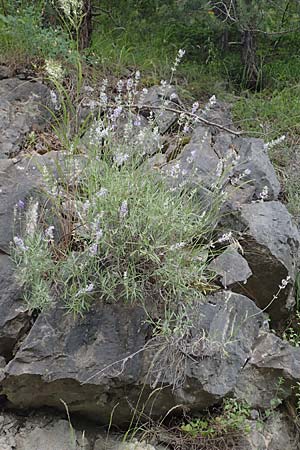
pixel 86 26
pixel 249 59
pixel 224 40
pixel 3 6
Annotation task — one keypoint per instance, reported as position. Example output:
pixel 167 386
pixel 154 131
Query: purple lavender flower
pixel 123 211
pixel 99 234
pixel 93 250
pixel 137 122
pixel 116 113
pixel 21 204
pixel 19 243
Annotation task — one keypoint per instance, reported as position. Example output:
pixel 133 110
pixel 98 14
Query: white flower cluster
pixel 54 100
pixel 210 104
pixel 178 58
pixel 32 218
pixel 235 180
pixel 284 283
pixel 19 243
pixel 225 238
pixel 85 290
pixel 70 7
pixel 177 246
pixel 275 142
pixel 54 71
pixel 49 233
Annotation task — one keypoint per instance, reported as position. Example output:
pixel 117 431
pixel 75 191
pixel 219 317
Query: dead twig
pixel 187 113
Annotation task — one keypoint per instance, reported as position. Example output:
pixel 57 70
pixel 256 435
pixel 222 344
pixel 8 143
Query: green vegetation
pixel 121 232
pixel 233 419
pixel 122 235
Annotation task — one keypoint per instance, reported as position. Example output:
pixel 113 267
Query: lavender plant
pixel 123 236
pixel 118 231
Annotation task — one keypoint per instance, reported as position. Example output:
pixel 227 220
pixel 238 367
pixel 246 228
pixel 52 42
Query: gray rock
pixel 218 112
pixel 17 182
pixel 66 359
pixel 75 360
pixel 14 316
pixel 231 269
pixel 253 175
pixel 6 72
pixel 21 111
pixel 239 165
pixel 227 324
pixel 56 436
pixel 275 434
pixel 197 164
pixel 40 431
pixel 160 97
pixel 109 443
pixel 270 242
pixel 270 373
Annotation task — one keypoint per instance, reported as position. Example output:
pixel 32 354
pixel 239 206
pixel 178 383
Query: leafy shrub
pixel 23 34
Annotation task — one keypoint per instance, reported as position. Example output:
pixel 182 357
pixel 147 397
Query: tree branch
pixel 190 114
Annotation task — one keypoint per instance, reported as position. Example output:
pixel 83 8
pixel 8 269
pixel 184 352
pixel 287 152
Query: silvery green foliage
pixel 121 233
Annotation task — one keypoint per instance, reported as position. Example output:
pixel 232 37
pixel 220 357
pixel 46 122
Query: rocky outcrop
pixel 270 243
pixel 108 363
pixel 156 99
pixel 54 432
pixel 271 372
pixel 103 360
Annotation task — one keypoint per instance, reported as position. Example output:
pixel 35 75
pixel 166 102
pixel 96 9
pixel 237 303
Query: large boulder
pixel 270 374
pixel 107 361
pixel 197 165
pixel 213 159
pixel 23 108
pixel 270 242
pixel 34 432
pixel 276 433
pixel 252 176
pixel 230 269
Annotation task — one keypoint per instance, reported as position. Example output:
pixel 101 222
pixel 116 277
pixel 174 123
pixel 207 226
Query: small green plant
pixel 233 418
pixel 292 334
pixel 277 399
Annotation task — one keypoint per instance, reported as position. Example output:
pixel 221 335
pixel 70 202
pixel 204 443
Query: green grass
pixel 269 114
